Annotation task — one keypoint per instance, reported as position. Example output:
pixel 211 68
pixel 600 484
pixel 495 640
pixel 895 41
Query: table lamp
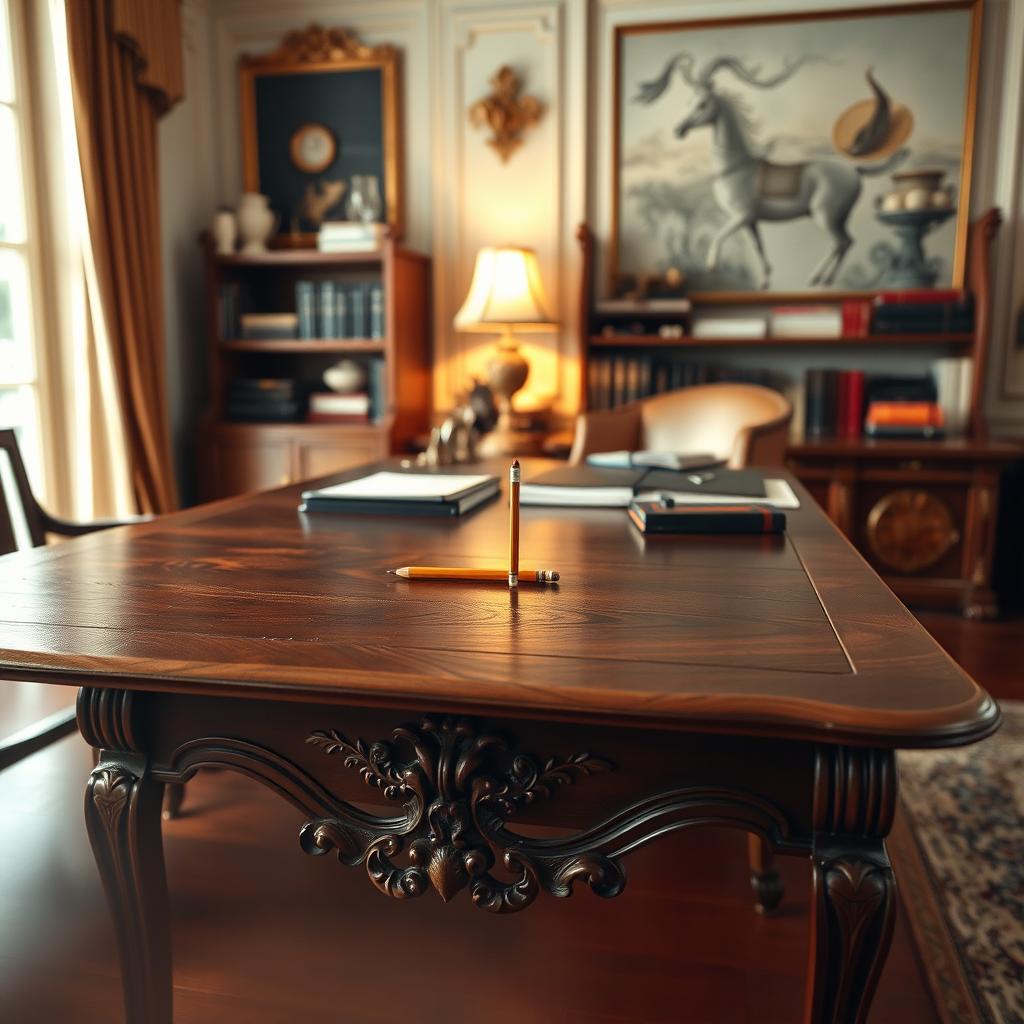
pixel 506 294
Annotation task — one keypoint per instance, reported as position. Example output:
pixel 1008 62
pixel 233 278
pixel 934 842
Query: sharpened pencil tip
pixel 515 463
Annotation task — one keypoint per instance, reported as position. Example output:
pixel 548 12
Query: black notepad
pixel 429 494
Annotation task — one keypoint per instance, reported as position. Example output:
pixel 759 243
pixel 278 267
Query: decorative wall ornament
pixel 457 788
pixel 506 113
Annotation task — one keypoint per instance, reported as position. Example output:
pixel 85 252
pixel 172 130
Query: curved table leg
pixel 853 904
pixel 122 813
pixel 852 916
pixel 764 879
pixel 123 802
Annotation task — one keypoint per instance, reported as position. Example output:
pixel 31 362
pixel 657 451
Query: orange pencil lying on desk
pixel 438 572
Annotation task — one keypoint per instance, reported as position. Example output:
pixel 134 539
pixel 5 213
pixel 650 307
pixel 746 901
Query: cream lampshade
pixel 505 295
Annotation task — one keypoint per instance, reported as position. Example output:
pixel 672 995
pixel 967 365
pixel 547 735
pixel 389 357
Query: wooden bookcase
pixel 923 513
pixel 238 457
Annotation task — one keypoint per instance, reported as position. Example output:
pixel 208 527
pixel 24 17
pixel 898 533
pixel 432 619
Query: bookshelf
pixel 923 513
pixel 237 457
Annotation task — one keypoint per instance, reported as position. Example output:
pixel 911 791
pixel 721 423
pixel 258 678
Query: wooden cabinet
pixel 923 514
pixel 244 457
pixel 238 457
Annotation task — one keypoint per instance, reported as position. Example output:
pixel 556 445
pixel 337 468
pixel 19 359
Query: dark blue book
pixel 376 311
pixel 357 311
pixel 341 317
pixel 305 308
pixel 378 388
pixel 326 309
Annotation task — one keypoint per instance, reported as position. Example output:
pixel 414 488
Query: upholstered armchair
pixel 744 424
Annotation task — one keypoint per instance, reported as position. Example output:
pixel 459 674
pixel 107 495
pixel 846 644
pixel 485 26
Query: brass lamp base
pixel 508 439
pixel 506 373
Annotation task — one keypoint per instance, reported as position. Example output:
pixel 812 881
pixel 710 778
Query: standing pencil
pixel 513 524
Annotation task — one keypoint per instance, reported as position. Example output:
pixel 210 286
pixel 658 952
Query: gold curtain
pixel 126 71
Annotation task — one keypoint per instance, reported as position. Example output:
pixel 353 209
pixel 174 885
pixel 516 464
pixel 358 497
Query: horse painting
pixel 747 186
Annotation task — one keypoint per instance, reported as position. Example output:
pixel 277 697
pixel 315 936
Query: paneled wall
pixel 460 196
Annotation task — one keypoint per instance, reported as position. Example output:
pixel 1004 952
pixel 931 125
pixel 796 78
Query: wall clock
pixel 313 147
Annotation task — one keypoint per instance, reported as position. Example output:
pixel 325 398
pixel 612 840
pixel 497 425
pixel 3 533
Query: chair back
pixel 21 518
pixel 744 424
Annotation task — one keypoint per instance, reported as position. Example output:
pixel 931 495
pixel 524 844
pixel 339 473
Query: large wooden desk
pixel 756 683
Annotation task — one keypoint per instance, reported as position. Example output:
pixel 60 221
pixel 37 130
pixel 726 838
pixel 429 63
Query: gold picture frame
pixel 319 51
pixel 620 271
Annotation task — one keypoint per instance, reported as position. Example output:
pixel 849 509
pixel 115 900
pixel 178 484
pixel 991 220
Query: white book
pixel 731 327
pixel 809 325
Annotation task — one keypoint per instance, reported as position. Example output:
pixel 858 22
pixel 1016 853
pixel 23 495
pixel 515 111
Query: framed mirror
pixel 318 112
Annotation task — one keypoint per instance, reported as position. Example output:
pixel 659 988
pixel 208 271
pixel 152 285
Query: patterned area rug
pixel 958 850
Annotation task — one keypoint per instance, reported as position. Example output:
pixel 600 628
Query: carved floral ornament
pixel 457 788
pixel 319 45
pixel 506 113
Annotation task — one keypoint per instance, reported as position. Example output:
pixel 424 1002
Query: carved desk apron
pixel 760 683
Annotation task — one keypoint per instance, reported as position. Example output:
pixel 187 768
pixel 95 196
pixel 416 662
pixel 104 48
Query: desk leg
pixel 853 903
pixel 122 813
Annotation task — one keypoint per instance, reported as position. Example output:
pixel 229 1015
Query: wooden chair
pixel 744 424
pixel 20 513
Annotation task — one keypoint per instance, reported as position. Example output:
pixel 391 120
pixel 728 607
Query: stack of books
pixel 262 400
pixel 433 494
pixel 349 236
pixel 903 407
pixel 331 407
pixel 923 311
pixel 269 326
pixel 666 317
pixel 833 403
pixel 333 309
pixel 806 322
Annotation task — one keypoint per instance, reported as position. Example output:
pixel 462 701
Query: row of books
pixel 332 309
pixel 898 312
pixel 847 403
pixel 285 400
pixel 614 380
pixel 323 309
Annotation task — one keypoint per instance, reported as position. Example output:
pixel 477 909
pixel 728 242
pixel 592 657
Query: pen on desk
pixel 438 572
pixel 513 524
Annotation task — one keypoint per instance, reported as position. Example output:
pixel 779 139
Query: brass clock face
pixel 313 148
pixel 911 530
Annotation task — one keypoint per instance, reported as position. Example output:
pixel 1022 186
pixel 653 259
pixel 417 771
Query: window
pixel 19 400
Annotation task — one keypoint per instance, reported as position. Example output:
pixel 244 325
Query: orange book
pixel 904 414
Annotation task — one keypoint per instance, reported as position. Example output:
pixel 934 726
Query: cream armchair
pixel 745 424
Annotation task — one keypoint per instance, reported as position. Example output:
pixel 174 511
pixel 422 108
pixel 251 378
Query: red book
pixel 919 296
pixel 856 318
pixel 337 417
pixel 853 423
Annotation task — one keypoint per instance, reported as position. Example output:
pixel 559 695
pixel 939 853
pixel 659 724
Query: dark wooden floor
pixel 264 934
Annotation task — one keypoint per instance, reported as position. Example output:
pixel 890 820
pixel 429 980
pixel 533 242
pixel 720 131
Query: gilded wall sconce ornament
pixel 506 113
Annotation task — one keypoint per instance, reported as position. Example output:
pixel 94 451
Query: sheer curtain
pixel 84 446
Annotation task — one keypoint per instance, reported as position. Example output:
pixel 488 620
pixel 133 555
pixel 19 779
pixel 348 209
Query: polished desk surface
pixel 791 637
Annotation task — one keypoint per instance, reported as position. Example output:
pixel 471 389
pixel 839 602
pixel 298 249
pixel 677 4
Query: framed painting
pixel 796 154
pixel 321 116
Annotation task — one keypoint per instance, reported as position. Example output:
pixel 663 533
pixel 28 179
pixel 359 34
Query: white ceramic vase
pixel 256 222
pixel 345 376
pixel 225 232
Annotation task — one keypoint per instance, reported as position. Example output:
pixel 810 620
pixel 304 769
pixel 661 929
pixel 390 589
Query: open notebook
pixel 405 493
pixel 589 487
